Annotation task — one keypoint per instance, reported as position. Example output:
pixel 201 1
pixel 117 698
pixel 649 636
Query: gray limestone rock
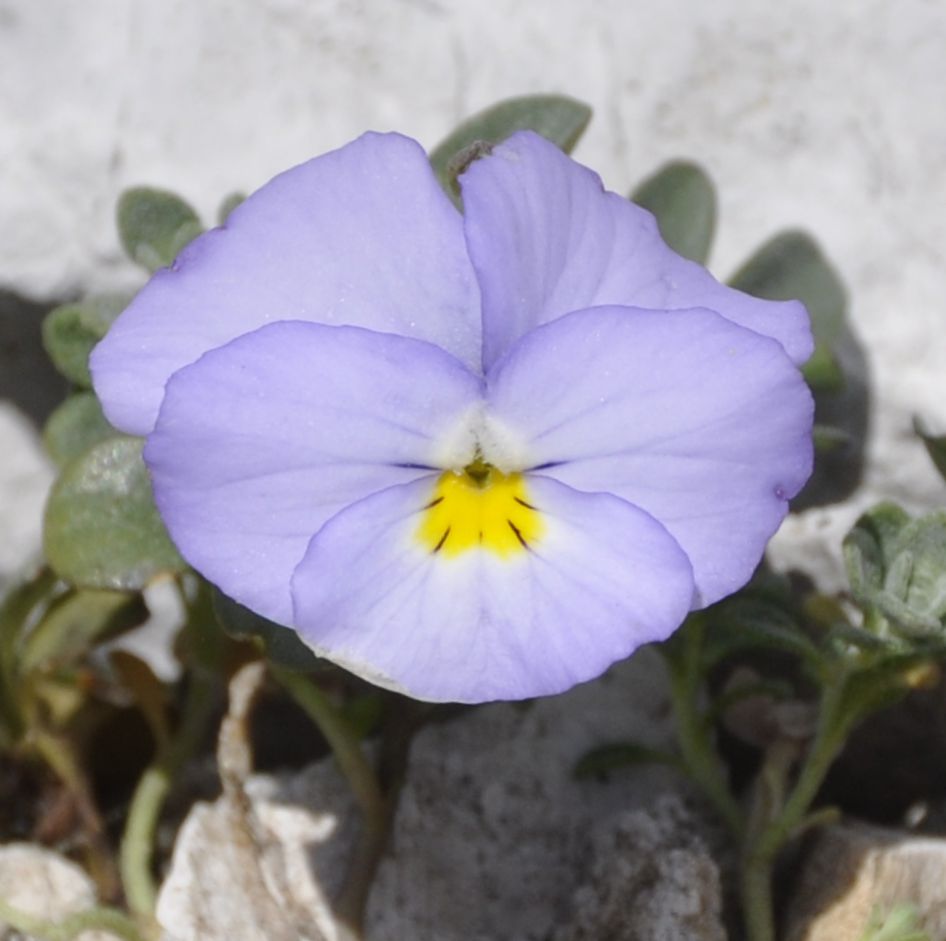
pixel 490 836
pixel 651 879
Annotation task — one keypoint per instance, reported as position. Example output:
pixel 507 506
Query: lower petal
pixel 603 579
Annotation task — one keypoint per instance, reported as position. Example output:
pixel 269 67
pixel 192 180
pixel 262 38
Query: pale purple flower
pixel 468 457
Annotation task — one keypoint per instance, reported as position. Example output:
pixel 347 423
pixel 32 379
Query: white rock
pixel 490 835
pixel 41 883
pixel 25 477
pixel 226 884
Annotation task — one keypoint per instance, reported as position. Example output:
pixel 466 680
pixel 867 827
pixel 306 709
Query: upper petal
pixel 361 236
pixel 703 424
pixel 547 239
pixel 603 579
pixel 261 441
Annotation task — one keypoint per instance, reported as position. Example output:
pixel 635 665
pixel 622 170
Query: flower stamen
pixel 479 507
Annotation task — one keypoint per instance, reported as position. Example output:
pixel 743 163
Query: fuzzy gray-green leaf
pixel 683 199
pixel 154 225
pixel 102 529
pixel 556 117
pixel 72 330
pixel 75 426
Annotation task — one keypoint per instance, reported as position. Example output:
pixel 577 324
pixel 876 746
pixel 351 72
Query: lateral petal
pixel 603 579
pixel 361 236
pixel 261 441
pixel 703 424
pixel 547 239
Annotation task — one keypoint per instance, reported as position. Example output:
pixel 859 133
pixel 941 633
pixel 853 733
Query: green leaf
pixel 363 714
pixel 868 548
pixel 20 608
pixel 848 635
pixel 823 371
pixel 897 566
pixel 154 225
pixel 281 645
pixel 683 199
pixel 935 446
pixel 744 623
pixel 883 682
pixel 102 529
pixel 828 438
pixel 791 266
pixel 901 924
pixel 559 119
pixel 75 426
pixel 77 621
pixel 70 332
pixel 606 759
pixel 227 206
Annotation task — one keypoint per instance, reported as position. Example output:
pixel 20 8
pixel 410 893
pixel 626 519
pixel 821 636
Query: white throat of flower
pixel 479 436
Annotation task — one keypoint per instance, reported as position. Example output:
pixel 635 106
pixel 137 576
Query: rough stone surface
pixel 854 870
pixel 491 834
pixel 43 884
pixel 651 879
pixel 240 880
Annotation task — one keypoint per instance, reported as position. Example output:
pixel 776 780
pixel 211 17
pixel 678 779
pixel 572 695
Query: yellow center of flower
pixel 480 507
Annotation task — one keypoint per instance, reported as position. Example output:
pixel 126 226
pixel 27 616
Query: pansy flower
pixel 468 456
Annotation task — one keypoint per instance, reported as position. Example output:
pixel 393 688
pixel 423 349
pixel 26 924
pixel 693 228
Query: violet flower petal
pixel 546 239
pixel 603 579
pixel 702 423
pixel 361 236
pixel 261 441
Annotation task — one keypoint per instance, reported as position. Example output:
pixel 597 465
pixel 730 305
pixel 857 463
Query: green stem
pixel 339 735
pixel 376 806
pixel 93 919
pixel 137 845
pixel 697 751
pixel 402 719
pixel 774 820
pixel 827 742
pixel 756 892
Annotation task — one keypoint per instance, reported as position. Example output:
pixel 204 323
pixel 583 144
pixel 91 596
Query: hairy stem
pixel 403 717
pixel 700 759
pixel 341 739
pixel 775 820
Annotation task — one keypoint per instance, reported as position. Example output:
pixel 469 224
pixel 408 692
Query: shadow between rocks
pixel 27 377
